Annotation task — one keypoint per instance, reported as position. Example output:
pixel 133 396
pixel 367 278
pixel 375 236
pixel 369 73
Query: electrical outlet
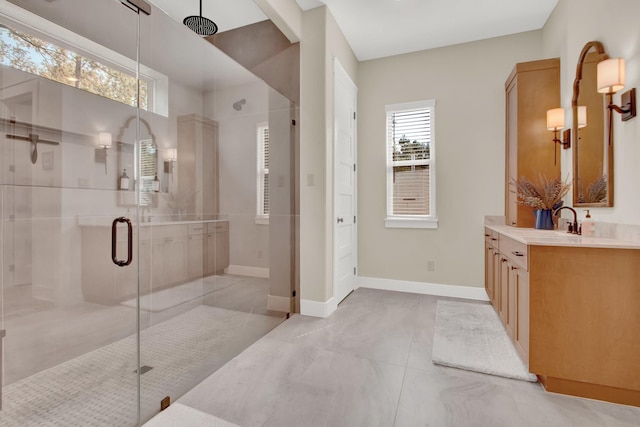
pixel 431 265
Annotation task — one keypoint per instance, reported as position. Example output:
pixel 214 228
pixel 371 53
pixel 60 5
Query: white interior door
pixel 344 184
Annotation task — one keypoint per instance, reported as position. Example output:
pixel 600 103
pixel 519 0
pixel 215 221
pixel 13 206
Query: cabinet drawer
pixel 162 231
pixel 515 251
pixel 491 237
pixel 218 226
pixel 195 229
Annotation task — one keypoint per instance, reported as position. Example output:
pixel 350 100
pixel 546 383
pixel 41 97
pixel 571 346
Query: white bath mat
pixel 470 336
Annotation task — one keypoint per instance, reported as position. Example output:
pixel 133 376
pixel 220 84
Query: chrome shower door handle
pixel 114 242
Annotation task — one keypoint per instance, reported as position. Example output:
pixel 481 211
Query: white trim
pixel 466 292
pixel 399 222
pixel 427 103
pixel 262 219
pixel 245 270
pixel 318 309
pixel 276 303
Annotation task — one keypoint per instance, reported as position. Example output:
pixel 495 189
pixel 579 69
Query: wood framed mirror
pixel 592 134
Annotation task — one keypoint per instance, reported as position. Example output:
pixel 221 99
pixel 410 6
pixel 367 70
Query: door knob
pixel 340 220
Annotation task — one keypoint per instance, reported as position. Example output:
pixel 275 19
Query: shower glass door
pixel 69 123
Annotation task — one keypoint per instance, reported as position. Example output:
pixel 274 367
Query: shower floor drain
pixel 144 369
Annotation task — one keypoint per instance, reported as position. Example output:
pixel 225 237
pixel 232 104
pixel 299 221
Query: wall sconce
pixel 611 79
pixel 582 116
pixel 104 142
pixel 171 156
pixel 555 122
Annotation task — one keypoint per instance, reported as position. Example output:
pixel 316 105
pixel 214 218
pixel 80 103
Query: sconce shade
pixel 172 154
pixel 555 119
pixel 611 75
pixel 582 116
pixel 104 139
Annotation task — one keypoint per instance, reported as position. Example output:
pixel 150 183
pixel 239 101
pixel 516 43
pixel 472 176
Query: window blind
pixel 409 135
pixel 263 170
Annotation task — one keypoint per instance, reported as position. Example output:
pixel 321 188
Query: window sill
pixel 262 220
pixel 400 222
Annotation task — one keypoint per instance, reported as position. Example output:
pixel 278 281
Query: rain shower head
pixel 238 104
pixel 200 25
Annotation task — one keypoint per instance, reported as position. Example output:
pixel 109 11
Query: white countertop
pixel 107 222
pixel 534 237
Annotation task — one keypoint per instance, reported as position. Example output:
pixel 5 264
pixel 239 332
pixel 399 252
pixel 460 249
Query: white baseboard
pixel 244 270
pixel 466 292
pixel 317 309
pixel 276 303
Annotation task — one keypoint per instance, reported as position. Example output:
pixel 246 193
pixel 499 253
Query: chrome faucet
pixel 573 228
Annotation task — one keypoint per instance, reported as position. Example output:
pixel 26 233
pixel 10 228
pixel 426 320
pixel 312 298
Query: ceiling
pixel 379 28
pixel 225 13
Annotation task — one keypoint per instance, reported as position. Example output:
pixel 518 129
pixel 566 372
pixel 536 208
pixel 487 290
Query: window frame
pixel 261 173
pixel 411 221
pixel 157 83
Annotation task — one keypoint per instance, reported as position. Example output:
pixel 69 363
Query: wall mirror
pixel 146 160
pixel 592 134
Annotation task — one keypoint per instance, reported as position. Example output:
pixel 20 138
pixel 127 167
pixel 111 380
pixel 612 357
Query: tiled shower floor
pixel 99 388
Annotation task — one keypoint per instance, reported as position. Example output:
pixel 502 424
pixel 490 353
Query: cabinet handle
pixel 503 259
pixel 513 267
pixel 494 239
pixel 114 239
pixel 517 253
pixel 487 235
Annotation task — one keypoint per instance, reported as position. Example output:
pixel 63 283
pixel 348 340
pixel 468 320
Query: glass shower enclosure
pixel 146 211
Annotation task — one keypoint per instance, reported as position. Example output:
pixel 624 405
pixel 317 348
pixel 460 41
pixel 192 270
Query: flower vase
pixel 544 219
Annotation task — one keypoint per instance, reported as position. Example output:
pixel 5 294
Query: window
pixel 34 55
pixel 410 165
pixel 263 173
pixel 58 54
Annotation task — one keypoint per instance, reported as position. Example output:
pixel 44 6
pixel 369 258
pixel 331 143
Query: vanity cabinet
pixel 217 249
pixel 165 255
pixel 532 88
pixel 507 285
pixel 571 307
pixel 169 253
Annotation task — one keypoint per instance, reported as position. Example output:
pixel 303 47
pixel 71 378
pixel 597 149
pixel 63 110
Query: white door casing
pixel 344 184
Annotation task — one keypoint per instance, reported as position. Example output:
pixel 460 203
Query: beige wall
pixel 467 82
pixel 322 41
pixel 237 163
pixel 572 24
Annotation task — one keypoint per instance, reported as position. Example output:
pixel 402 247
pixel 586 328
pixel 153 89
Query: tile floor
pixel 74 365
pixel 369 364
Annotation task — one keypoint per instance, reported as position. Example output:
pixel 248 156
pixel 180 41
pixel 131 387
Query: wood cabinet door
pixel 495 260
pixel 175 259
pixel 195 256
pixel 222 251
pixel 521 331
pixel 504 288
pixel 488 271
pixel 210 255
pixel 511 315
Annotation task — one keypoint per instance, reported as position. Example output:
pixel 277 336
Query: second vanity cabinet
pixel 167 254
pixel 571 306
